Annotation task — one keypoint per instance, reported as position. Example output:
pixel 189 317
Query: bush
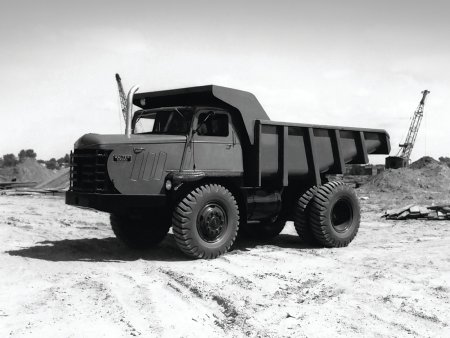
pixel 9 160
pixel 51 164
pixel 64 160
pixel 29 153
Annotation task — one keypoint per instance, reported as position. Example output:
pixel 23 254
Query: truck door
pixel 216 145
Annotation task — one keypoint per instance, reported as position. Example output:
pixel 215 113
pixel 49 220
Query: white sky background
pixel 352 63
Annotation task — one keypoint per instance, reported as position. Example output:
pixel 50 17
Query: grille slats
pixel 88 172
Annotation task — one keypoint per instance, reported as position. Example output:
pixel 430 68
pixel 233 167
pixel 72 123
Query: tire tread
pixel 319 207
pixel 181 221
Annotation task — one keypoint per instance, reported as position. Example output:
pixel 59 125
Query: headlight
pixel 168 185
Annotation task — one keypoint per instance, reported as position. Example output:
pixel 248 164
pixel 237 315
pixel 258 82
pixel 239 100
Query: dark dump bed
pixel 294 151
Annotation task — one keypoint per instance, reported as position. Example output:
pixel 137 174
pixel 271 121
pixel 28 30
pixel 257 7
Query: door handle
pixel 228 146
pixel 138 150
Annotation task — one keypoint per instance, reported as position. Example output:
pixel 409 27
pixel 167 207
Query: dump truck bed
pixel 292 151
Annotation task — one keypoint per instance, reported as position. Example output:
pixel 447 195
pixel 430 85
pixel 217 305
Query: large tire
pixel 206 221
pixel 334 215
pixel 266 229
pixel 301 216
pixel 140 231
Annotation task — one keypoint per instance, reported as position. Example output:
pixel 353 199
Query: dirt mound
pixel 423 162
pixel 60 182
pixel 427 176
pixel 27 171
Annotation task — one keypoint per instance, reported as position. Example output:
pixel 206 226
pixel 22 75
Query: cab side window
pixel 213 124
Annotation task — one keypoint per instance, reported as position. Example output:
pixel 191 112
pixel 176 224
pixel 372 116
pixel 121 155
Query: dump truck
pixel 209 163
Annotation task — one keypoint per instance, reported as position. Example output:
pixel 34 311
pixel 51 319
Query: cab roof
pixel 246 110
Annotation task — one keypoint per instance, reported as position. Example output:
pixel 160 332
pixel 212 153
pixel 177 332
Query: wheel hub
pixel 211 222
pixel 341 216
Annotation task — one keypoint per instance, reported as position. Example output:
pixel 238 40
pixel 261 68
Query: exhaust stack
pixel 129 115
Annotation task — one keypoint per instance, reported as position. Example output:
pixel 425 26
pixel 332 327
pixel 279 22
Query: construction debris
pixel 412 211
pixel 32 192
pixel 12 185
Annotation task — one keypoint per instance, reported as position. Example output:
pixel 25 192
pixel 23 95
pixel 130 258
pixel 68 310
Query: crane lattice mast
pixel 123 98
pixel 407 146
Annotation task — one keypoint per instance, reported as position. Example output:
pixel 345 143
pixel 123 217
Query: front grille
pixel 88 171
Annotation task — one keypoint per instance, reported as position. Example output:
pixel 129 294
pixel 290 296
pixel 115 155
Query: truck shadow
pixel 112 250
pixel 99 250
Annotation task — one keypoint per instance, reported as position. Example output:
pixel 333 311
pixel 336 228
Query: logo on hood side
pixel 122 158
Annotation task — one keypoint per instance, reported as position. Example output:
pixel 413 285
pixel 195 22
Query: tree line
pixel 11 160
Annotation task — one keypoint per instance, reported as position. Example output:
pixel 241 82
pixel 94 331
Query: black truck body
pixel 265 166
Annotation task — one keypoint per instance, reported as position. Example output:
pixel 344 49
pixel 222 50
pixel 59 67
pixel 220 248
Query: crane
pixel 402 158
pixel 122 96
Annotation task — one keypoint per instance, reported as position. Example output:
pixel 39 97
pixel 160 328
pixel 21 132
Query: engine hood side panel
pixel 141 168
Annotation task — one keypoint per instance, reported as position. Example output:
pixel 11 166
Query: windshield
pixel 174 121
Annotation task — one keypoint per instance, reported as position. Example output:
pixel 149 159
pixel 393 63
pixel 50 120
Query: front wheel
pixel 206 221
pixel 141 231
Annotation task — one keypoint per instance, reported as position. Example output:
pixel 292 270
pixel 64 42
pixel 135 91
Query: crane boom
pixel 403 156
pixel 122 96
pixel 407 146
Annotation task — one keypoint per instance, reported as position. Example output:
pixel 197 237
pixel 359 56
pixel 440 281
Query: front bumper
pixel 114 203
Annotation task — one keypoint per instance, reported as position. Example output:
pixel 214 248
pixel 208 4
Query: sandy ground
pixel 63 274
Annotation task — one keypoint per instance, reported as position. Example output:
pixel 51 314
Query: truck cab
pixel 212 141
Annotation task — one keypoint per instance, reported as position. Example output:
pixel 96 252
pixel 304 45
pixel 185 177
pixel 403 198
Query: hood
pixel 105 141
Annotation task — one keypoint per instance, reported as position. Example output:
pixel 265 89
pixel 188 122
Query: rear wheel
pixel 334 214
pixel 140 231
pixel 205 222
pixel 301 216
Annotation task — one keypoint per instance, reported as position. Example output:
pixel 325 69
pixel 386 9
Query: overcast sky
pixel 352 63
